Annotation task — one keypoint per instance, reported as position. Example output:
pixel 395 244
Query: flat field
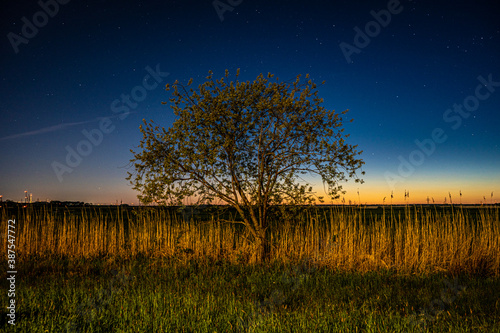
pixel 332 269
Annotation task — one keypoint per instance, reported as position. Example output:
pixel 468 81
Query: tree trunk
pixel 262 247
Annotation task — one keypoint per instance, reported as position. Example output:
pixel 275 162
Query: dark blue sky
pixel 72 75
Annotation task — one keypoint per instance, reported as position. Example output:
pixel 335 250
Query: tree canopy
pixel 247 144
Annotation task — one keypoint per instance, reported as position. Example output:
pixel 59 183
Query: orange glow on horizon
pixel 419 193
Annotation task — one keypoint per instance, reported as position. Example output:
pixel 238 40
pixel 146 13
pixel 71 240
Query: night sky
pixel 421 81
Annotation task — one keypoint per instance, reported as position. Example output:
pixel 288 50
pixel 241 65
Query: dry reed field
pixel 332 269
pixel 410 239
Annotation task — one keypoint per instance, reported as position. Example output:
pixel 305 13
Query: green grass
pixel 155 295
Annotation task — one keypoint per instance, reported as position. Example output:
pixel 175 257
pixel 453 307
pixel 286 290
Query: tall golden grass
pixel 413 240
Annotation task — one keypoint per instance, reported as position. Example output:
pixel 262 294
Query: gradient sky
pixel 429 72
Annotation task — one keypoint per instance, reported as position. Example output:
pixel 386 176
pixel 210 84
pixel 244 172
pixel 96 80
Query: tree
pixel 246 144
